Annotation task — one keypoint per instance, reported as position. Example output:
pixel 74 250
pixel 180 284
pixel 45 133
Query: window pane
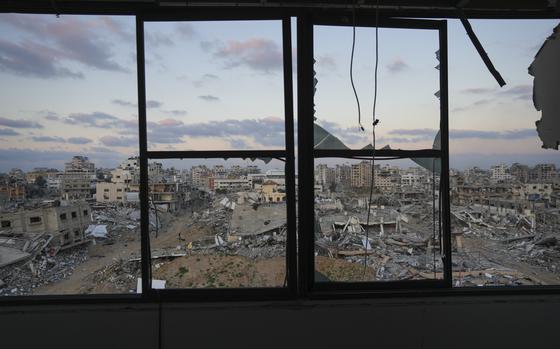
pixel 503 184
pixel 402 241
pixel 221 223
pixel 407 105
pixel 214 85
pixel 63 131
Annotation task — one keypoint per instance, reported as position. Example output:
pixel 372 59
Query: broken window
pixel 226 224
pixel 504 212
pixel 408 105
pixel 218 97
pixel 221 228
pixel 399 239
pixel 35 220
pixel 70 119
pixel 377 203
pixel 6 224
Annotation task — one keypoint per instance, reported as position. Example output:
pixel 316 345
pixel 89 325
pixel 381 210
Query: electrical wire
pixel 434 212
pixel 352 65
pixel 375 121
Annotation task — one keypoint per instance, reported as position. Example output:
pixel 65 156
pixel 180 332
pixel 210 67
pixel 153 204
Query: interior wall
pixel 457 322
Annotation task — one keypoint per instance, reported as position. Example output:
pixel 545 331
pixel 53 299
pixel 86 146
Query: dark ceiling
pixel 405 8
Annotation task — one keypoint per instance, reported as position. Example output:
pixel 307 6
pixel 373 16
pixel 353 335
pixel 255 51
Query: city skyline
pixel 202 78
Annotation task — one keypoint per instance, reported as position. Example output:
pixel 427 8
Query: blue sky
pixel 69 87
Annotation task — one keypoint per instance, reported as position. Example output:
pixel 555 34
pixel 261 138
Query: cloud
pixel 416 132
pixel 205 79
pixel 397 66
pixel 518 92
pixel 114 141
pixel 186 30
pixel 28 158
pixel 52 117
pixel 238 144
pixel 266 131
pixel 176 112
pixel 423 134
pixel 32 60
pixel 326 61
pixel 209 45
pixel 79 140
pixel 123 103
pixel 170 122
pixel 472 105
pixel 348 135
pixel 101 150
pixel 31 157
pixel 49 139
pixel 95 119
pixel 508 134
pixel 84 40
pixel 157 39
pixel 115 26
pixel 19 123
pixel 478 90
pixel 209 98
pixel 258 54
pixel 153 104
pixel 8 132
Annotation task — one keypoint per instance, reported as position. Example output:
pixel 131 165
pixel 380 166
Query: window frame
pixel 304 18
pixel 307 155
pixel 287 154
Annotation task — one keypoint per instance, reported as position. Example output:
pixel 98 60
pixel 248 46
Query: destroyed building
pixel 62 226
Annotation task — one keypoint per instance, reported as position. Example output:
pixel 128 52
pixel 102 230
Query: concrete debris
pixel 97 231
pixel 156 285
pixel 21 278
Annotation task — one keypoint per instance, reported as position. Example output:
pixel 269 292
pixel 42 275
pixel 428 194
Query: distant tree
pixel 41 182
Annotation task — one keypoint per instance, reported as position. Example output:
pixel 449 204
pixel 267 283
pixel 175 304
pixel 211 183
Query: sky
pixel 69 88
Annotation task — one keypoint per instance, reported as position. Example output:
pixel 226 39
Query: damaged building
pixel 58 226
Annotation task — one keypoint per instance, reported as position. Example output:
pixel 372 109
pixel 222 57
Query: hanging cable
pixel 434 212
pixel 352 65
pixel 375 121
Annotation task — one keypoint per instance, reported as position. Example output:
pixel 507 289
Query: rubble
pixel 22 278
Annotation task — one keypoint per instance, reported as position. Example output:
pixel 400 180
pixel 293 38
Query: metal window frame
pixel 307 155
pixel 286 155
pixel 298 267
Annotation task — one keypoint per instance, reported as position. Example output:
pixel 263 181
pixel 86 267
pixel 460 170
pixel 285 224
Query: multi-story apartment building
pixel 324 175
pixel 361 174
pixel 200 176
pixel 543 173
pixel 500 173
pixel 78 179
pixel 343 175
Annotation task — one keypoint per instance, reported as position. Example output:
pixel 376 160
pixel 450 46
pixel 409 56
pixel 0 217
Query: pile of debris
pixel 21 278
pixel 122 223
pixel 121 276
pixel 397 245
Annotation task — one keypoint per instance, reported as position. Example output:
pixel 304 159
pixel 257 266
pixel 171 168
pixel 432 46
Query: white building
pixel 230 184
pixel 500 173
